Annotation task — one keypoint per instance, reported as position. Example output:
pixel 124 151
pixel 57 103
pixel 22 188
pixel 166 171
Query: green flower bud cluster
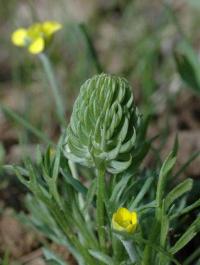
pixel 103 125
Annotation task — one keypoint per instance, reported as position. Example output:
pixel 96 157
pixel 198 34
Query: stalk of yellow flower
pixel 54 87
pixel 35 38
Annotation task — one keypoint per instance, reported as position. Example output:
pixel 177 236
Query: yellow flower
pixel 36 36
pixel 124 221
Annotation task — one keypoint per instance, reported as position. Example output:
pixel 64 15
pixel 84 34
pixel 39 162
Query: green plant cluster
pixel 76 211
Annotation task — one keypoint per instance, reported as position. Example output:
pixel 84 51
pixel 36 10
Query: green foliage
pixel 56 193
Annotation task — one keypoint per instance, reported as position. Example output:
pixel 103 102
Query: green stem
pixel 54 86
pixel 148 250
pixel 100 207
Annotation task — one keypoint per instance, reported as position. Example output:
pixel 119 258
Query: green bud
pixel 103 125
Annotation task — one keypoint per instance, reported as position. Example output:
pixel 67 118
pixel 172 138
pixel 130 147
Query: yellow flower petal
pixel 134 218
pixel 19 37
pixel 37 46
pixel 115 224
pixel 50 27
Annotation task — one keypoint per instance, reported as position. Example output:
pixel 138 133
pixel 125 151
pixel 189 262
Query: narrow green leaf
pixel 38 155
pixel 51 256
pixel 76 184
pixel 12 168
pixel 146 207
pixel 53 85
pixel 164 172
pixel 165 169
pixel 91 48
pixel 187 236
pixel 102 257
pixel 142 193
pixel 144 127
pixel 186 209
pixel 188 65
pixel 152 237
pixel 119 187
pixel 164 228
pixel 118 166
pixel 56 164
pixel 177 192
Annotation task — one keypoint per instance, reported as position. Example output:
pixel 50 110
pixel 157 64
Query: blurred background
pixel 154 44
